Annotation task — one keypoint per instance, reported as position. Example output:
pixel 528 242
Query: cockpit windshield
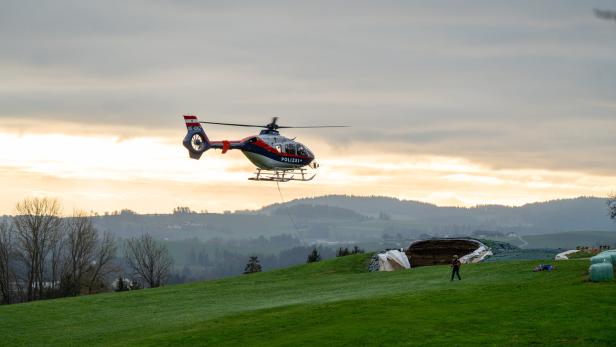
pixel 303 151
pixel 293 148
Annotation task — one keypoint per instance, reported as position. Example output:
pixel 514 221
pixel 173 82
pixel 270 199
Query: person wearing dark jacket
pixel 455 267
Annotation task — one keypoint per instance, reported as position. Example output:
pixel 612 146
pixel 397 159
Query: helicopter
pixel 276 157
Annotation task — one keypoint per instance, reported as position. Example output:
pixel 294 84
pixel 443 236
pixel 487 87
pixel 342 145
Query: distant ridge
pixel 342 218
pixel 582 213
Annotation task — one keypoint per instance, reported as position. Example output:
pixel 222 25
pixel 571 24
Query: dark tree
pixel 341 252
pixel 345 251
pixel 102 266
pixel 7 252
pixel 88 256
pixel 150 260
pixel 181 210
pixel 611 204
pixel 252 266
pixel 37 225
pixel 79 252
pixel 314 256
pixel 121 286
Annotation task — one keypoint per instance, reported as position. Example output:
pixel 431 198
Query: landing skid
pixel 282 175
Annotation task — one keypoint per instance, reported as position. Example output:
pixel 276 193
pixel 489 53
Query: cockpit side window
pixel 278 148
pixel 289 148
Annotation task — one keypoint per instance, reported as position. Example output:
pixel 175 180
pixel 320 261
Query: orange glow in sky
pixel 154 174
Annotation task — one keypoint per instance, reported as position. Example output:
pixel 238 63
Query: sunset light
pixel 153 174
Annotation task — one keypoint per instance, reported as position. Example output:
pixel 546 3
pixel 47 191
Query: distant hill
pixel 369 221
pixel 583 213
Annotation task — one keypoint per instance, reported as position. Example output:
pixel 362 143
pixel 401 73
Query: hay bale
pixel 612 254
pixel 601 272
pixel 601 258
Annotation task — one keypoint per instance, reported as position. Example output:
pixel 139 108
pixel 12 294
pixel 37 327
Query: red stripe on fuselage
pixel 221 142
pixel 267 147
pixel 190 117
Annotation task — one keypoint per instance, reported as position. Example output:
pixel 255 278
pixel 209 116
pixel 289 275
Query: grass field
pixel 336 303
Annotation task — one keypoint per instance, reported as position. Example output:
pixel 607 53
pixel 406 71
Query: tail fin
pixel 196 140
pixel 192 122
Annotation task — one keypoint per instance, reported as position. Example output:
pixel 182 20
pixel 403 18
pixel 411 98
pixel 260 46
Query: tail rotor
pixel 195 141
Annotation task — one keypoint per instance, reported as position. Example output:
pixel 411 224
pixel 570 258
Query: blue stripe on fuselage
pixel 251 147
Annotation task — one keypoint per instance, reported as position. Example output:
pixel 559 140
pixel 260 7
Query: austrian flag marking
pixel 191 121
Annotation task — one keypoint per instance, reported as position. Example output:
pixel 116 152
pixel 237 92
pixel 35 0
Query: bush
pixel 252 266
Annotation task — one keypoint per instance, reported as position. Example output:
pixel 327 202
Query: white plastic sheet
pixel 393 260
pixel 564 255
pixel 477 255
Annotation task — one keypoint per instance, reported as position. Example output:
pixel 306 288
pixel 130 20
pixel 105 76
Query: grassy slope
pixel 336 302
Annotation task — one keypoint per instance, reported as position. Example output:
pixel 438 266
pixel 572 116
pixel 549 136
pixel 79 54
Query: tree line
pixel 254 264
pixel 43 255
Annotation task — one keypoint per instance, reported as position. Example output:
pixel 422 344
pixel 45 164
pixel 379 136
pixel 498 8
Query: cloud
pixel 524 86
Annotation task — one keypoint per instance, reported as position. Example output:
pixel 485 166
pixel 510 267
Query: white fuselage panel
pixel 266 163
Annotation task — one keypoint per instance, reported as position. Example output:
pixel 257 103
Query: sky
pixel 451 102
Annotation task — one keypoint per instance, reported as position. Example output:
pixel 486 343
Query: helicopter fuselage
pixel 273 151
pixel 268 151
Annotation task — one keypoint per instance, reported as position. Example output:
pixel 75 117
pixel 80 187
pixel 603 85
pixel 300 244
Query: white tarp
pixel 477 255
pixel 563 255
pixel 393 260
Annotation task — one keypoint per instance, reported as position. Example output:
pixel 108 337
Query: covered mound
pixel 393 260
pixel 440 251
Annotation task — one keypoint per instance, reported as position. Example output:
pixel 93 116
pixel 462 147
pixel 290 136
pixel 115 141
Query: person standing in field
pixel 455 267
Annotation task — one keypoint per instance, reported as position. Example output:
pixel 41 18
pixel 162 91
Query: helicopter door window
pixel 290 148
pixel 301 151
pixel 278 148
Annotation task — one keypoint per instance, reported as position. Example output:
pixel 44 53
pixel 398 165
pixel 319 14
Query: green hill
pixel 336 303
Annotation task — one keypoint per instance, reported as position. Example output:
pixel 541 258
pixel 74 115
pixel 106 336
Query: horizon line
pixel 205 211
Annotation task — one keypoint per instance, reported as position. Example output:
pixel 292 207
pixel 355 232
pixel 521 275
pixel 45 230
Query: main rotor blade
pixel 234 124
pixel 315 126
pixel 274 125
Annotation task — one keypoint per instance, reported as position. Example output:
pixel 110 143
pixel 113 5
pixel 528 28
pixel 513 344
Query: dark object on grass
pixel 455 267
pixel 374 263
pixel 120 287
pixel 543 267
pixel 441 251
